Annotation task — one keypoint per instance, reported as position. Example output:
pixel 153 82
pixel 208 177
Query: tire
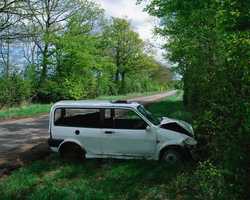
pixel 172 156
pixel 72 152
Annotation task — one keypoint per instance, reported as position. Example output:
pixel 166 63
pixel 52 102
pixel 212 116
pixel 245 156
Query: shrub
pixel 207 182
pixel 49 92
pixel 14 90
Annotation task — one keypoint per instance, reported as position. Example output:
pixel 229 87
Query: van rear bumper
pixel 54 142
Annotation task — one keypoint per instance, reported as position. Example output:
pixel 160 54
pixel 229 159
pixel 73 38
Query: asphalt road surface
pixel 19 135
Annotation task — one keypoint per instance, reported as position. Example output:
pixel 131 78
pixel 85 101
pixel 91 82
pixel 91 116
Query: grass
pixel 37 109
pixel 24 111
pixel 92 179
pixel 96 179
pixel 171 107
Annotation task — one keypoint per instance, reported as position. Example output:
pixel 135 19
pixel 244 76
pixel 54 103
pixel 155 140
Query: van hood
pixel 177 125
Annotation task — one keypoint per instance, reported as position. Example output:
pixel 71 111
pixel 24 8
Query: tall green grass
pixel 91 179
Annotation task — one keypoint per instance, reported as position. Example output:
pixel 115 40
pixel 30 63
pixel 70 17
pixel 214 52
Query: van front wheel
pixel 171 156
pixel 71 151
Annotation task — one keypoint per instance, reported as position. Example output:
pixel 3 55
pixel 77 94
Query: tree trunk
pixel 122 88
pixel 117 73
pixel 8 59
pixel 44 64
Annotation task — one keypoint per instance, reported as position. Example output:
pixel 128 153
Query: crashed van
pixel 117 129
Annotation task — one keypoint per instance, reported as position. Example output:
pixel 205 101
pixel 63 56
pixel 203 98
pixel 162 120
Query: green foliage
pixel 88 63
pixel 207 182
pixel 142 83
pixel 84 56
pixel 171 107
pixel 14 90
pixel 48 92
pixel 31 76
pixel 131 62
pixel 210 42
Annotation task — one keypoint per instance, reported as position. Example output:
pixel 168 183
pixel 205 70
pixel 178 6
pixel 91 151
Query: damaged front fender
pixel 177 126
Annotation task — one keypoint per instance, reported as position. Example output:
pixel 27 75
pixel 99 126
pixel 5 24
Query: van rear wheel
pixel 71 151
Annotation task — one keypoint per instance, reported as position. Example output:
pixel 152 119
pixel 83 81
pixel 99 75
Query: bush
pixel 207 182
pixel 14 90
pixel 142 83
pixel 49 92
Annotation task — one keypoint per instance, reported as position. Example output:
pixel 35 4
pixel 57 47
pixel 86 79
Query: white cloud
pixel 141 21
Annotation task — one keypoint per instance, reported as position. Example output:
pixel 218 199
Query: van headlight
pixel 190 141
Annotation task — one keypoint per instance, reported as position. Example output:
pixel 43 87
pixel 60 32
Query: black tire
pixel 72 152
pixel 172 156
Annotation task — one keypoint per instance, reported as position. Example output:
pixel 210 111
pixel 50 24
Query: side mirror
pixel 148 128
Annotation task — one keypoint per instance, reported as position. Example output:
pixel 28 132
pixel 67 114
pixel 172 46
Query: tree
pixel 78 61
pixel 124 46
pixel 209 40
pixel 10 14
pixel 72 51
pixel 47 18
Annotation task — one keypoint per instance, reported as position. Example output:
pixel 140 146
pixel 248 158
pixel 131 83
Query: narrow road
pixel 19 136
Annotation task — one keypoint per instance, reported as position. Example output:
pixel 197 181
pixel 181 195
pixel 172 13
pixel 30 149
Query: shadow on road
pixel 42 123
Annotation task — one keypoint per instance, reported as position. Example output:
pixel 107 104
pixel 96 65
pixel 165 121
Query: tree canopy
pixel 73 51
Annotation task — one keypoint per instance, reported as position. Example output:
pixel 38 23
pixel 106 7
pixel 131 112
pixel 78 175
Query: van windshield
pixel 153 119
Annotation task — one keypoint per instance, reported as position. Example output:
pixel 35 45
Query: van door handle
pixel 109 132
pixel 77 132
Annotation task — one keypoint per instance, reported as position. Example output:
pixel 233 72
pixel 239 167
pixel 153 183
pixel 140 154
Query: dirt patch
pixel 10 162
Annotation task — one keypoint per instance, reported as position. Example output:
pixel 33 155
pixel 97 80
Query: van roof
pixel 96 103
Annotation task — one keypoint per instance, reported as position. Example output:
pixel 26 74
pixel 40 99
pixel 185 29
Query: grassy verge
pixel 37 109
pixel 171 107
pixel 92 179
pixel 98 179
pixel 24 111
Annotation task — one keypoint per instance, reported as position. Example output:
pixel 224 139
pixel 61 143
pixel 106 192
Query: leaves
pixel 209 41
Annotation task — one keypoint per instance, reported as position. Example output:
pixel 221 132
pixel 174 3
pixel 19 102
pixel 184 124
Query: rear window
pixel 77 117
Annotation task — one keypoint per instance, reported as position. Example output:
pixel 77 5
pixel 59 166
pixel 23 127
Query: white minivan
pixel 116 129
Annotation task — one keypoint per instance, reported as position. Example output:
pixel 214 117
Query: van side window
pixel 128 119
pixel 75 117
pixel 107 121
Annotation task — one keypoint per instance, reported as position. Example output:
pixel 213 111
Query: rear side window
pixel 75 117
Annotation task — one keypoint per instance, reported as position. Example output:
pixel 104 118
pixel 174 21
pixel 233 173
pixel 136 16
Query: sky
pixel 141 21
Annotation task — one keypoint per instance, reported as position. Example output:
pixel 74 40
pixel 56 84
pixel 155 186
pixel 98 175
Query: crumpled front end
pixel 177 126
pixel 181 127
